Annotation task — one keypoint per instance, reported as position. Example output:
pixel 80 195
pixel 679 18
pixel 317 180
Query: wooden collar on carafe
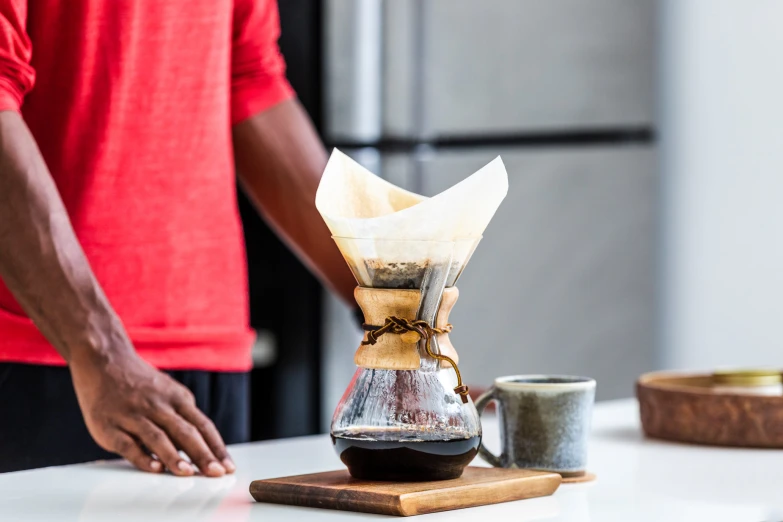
pixel 392 332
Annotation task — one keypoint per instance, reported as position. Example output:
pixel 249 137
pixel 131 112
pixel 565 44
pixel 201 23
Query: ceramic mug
pixel 544 422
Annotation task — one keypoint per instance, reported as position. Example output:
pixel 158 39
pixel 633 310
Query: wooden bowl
pixel 685 408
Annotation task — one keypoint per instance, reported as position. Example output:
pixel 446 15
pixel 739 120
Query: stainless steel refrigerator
pixel 424 92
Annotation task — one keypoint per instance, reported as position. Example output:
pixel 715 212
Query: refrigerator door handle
pixel 353 76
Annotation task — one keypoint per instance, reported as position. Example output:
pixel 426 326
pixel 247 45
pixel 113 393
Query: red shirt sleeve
pixel 16 74
pixel 258 79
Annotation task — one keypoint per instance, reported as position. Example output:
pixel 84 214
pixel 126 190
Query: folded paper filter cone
pixel 372 219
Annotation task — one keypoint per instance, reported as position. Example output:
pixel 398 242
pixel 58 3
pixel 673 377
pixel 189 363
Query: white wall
pixel 722 154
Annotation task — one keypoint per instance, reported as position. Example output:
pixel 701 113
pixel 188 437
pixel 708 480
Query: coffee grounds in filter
pixel 407 275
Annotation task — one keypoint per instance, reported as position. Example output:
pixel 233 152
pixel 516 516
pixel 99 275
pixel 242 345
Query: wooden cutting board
pixel 338 490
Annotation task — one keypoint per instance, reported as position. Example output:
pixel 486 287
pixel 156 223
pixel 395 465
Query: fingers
pixel 190 440
pixel 210 434
pixel 125 446
pixel 156 440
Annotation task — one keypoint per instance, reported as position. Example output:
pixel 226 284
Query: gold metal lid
pixel 749 378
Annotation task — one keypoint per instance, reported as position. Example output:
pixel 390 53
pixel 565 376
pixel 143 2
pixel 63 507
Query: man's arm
pixel 279 160
pixel 126 403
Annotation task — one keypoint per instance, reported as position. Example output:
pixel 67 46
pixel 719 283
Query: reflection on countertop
pixel 638 479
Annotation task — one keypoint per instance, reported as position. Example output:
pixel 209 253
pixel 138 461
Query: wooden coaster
pixel 338 490
pixel 586 477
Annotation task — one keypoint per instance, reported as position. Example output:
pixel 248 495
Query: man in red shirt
pixel 121 252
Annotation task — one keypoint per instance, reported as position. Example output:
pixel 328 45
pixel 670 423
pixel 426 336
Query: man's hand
pixel 129 407
pixel 134 410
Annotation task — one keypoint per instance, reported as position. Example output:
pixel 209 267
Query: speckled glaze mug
pixel 544 422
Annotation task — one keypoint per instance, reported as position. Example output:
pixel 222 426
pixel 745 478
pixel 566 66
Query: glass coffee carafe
pixel 406 415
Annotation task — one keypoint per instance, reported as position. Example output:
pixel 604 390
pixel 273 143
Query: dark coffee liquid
pixel 406 461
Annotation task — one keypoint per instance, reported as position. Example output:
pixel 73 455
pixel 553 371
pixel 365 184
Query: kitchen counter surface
pixel 638 480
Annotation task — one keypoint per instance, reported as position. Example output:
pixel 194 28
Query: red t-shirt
pixel 131 103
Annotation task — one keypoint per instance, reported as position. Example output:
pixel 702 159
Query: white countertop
pixel 638 480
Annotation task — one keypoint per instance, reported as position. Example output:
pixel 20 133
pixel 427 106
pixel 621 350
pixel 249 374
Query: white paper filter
pixel 357 204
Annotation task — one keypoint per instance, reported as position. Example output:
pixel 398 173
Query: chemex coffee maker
pixel 407 414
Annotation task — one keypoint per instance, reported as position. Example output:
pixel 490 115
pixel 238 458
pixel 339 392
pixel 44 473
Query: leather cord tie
pixel 412 332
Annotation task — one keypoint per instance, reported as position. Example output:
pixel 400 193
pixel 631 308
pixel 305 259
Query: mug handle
pixel 480 404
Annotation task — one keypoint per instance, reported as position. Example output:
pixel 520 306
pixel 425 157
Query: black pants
pixel 41 424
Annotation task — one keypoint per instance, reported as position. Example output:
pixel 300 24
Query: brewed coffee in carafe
pixel 406 414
